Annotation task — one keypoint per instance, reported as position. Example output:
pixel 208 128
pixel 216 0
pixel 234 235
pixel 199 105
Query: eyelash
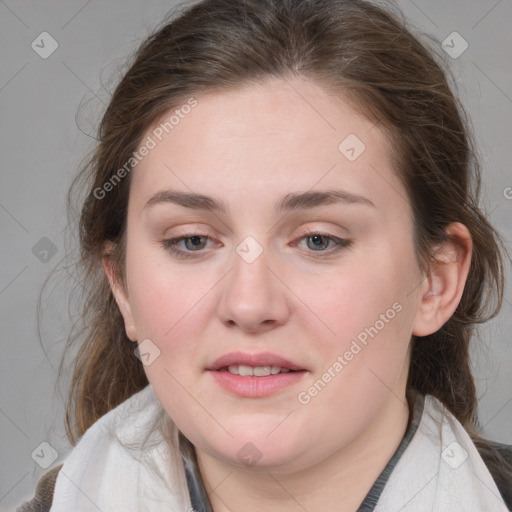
pixel 170 244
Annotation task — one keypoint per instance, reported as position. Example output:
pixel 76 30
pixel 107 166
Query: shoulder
pixel 115 440
pixel 43 497
pixel 498 459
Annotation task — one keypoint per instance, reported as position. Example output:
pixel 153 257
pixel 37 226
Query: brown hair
pixel 354 48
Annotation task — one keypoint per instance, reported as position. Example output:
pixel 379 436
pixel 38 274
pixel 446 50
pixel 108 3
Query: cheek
pixel 364 359
pixel 342 305
pixel 366 314
pixel 165 296
pixel 168 309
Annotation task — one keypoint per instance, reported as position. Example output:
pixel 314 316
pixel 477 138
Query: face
pixel 271 275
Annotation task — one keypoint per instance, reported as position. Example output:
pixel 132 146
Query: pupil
pixel 318 241
pixel 195 241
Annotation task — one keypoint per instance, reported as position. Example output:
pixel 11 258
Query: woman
pixel 285 259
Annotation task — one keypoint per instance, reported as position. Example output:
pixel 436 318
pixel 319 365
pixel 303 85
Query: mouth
pixel 262 364
pixel 254 375
pixel 254 371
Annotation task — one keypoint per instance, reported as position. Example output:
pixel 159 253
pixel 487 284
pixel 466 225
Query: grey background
pixel 41 147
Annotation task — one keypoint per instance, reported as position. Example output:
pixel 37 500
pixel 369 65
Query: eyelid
pixel 170 245
pixel 341 243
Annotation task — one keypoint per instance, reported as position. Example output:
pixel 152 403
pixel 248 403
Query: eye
pixel 319 242
pixel 192 243
pixel 197 241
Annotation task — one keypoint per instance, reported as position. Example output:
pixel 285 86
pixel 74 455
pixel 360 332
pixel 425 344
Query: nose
pixel 253 298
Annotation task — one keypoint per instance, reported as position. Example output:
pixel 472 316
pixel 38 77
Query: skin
pixel 249 148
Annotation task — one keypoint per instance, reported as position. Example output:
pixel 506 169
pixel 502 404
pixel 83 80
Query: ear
pixel 443 286
pixel 120 294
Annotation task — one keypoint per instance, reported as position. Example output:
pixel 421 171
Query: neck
pixel 339 482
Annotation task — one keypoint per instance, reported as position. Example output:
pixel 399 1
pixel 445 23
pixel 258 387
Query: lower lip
pixel 255 387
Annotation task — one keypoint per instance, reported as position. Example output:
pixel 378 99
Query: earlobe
pixel 444 284
pixel 120 296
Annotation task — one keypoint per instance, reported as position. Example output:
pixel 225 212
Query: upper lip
pixel 261 359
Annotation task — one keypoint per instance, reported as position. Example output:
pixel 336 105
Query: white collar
pixel 123 463
pixel 440 470
pixel 112 468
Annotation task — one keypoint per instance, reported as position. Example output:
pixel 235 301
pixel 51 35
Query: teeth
pixel 245 371
pixel 257 371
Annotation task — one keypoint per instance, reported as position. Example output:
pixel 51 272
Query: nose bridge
pixel 252 297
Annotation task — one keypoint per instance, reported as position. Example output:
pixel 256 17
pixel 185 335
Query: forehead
pixel 265 140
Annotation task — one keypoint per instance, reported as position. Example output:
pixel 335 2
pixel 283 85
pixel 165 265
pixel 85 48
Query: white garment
pixel 440 470
pixel 101 474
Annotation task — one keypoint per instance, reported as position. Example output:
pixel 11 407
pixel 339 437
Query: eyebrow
pixel 292 201
pixel 187 200
pixel 313 199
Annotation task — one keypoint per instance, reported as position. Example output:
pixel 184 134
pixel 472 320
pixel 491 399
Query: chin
pixel 279 455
